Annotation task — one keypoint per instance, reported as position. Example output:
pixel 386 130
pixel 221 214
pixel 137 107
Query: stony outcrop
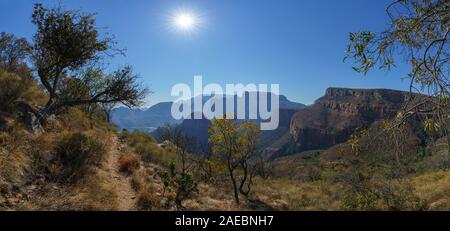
pixel 335 116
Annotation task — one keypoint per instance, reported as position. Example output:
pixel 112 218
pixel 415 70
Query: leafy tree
pixel 65 44
pixel 236 144
pixel 13 53
pixel 418 33
pixel 182 182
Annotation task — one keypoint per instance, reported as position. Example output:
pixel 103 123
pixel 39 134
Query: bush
pixel 145 145
pixel 147 200
pixel 138 137
pixel 129 163
pixel 75 153
pixel 12 88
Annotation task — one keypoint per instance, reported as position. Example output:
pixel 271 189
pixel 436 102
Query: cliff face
pixel 333 117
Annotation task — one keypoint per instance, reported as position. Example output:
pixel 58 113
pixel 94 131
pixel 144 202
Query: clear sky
pixel 298 44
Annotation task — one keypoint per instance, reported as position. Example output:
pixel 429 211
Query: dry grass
pixel 129 163
pixel 147 200
pixel 434 188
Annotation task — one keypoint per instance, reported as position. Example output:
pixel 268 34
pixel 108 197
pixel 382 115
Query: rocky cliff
pixel 334 117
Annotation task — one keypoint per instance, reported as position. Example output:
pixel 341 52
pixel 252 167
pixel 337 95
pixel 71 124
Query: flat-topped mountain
pixel 333 117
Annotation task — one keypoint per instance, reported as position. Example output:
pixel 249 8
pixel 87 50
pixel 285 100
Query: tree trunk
pixel 235 187
pixel 30 117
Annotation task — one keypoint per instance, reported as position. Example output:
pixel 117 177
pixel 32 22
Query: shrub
pixel 75 153
pixel 12 88
pixel 145 145
pixel 129 163
pixel 147 200
pixel 137 181
pixel 138 137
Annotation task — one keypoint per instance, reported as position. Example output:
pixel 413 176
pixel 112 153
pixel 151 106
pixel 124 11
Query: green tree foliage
pixel 65 45
pixel 13 54
pixel 236 145
pixel 418 33
pixel 183 183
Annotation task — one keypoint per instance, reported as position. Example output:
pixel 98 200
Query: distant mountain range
pixel 329 121
pixel 160 114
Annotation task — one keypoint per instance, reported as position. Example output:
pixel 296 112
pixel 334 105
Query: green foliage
pixel 75 154
pixel 182 182
pixel 237 146
pixel 65 39
pixel 13 53
pixel 418 33
pixel 66 54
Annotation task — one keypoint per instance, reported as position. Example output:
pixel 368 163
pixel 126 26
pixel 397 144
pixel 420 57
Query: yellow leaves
pixel 431 126
pixel 354 140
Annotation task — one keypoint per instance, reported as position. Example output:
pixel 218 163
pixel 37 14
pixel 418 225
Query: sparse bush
pixel 75 153
pixel 129 163
pixel 147 200
pixel 12 89
pixel 137 182
pixel 183 184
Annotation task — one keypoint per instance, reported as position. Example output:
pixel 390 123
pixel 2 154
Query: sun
pixel 185 21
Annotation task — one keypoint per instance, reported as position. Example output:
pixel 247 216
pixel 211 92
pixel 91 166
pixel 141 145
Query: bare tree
pixel 181 142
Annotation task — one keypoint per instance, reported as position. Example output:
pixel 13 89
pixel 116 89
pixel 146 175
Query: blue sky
pixel 297 44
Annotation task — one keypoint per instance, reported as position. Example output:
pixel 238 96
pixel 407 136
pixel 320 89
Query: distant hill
pixel 160 114
pixel 149 119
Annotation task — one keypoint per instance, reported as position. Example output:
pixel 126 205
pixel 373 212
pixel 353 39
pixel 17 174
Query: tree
pixel 236 144
pixel 248 143
pixel 419 33
pixel 182 181
pixel 181 141
pixel 65 44
pixel 13 53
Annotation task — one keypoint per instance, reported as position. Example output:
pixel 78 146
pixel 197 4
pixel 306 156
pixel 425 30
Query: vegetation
pixel 418 33
pixel 237 145
pixel 65 53
pixel 80 162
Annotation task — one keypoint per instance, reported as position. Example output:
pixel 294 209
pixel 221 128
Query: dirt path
pixel 126 196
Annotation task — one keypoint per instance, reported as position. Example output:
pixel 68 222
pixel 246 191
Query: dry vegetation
pixel 78 161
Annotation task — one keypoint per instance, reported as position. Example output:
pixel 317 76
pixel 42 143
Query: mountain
pixel 335 116
pixel 149 119
pixel 160 114
pixel 329 121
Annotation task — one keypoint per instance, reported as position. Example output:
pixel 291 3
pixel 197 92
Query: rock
pixel 335 116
